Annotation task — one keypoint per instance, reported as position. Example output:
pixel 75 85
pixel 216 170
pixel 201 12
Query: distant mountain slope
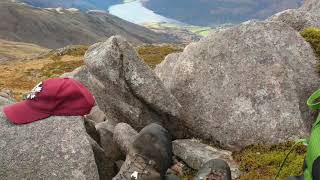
pixel 214 12
pixel 54 28
pixel 80 4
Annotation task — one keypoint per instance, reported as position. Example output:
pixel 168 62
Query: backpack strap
pixel 312 101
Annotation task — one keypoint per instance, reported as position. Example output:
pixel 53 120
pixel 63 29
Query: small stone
pixel 196 154
pixel 124 135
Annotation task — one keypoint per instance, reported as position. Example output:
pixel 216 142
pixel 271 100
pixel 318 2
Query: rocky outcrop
pixel 126 89
pixel 97 115
pixel 311 5
pixel 54 148
pixel 104 164
pixel 124 135
pixel 106 134
pixel 246 84
pixel 196 154
pixel 299 19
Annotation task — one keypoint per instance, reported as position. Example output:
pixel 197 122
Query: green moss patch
pixel 312 35
pixel 154 55
pixel 261 162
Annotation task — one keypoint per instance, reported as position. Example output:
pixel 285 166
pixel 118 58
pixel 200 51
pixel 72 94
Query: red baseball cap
pixel 57 97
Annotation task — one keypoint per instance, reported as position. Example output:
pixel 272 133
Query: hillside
pixel 16 50
pixel 80 4
pixel 215 12
pixel 55 28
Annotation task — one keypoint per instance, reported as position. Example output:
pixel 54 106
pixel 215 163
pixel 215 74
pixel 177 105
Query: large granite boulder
pixel 54 148
pixel 245 85
pixel 311 5
pixel 297 18
pixel 126 89
pixel 306 16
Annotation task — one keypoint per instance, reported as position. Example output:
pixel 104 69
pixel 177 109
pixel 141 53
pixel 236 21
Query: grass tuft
pixel 154 55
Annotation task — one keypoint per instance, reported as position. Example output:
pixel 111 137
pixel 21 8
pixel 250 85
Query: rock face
pixel 196 154
pixel 306 16
pixel 311 5
pixel 126 89
pixel 245 85
pixel 124 135
pixel 297 19
pixel 55 148
pixel 106 134
pixel 105 165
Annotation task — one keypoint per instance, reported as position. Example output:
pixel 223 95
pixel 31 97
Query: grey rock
pixel 306 16
pixel 111 148
pixel 127 90
pixel 91 129
pixel 54 148
pixel 184 35
pixel 124 135
pixel 196 154
pixel 311 5
pixel 171 177
pixel 217 168
pixel 119 164
pixel 246 84
pixel 81 74
pixel 297 19
pixel 105 165
pixel 5 98
pixel 5 101
pixel 96 115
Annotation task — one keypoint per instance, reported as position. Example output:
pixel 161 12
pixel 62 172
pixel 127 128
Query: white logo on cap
pixel 134 175
pixel 33 93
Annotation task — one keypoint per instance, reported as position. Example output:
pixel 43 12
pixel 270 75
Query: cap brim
pixel 22 113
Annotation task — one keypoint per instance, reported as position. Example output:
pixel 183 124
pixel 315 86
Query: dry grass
pixel 16 50
pixel 154 55
pixel 21 76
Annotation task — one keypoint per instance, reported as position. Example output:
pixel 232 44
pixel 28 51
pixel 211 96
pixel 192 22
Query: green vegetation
pixel 202 31
pixel 261 162
pixel 153 55
pixel 312 35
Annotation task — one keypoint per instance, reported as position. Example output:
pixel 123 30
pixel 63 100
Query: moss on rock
pixel 312 35
pixel 262 162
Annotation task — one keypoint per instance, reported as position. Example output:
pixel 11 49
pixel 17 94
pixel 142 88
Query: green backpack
pixel 313 150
